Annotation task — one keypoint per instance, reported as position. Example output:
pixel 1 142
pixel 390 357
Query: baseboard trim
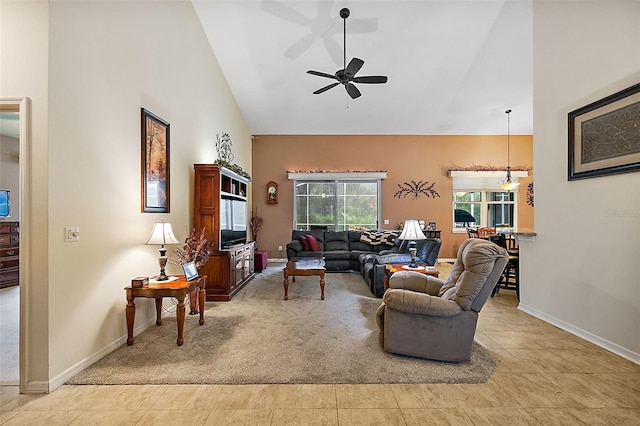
pixel 37 387
pixel 590 337
pixel 63 377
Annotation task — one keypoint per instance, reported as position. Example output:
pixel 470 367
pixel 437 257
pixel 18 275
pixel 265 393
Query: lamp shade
pixel 412 231
pixel 162 234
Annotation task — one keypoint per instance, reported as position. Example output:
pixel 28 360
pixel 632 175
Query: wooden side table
pixel 178 288
pixel 391 268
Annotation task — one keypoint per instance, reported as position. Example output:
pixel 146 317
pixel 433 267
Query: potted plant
pixel 196 249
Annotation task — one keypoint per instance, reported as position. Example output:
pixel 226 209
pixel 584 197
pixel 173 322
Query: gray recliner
pixel 427 317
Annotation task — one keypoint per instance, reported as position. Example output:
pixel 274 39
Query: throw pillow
pixel 304 240
pixel 313 243
pixel 376 238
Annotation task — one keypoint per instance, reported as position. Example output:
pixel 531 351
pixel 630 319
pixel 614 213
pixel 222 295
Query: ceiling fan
pixel 347 75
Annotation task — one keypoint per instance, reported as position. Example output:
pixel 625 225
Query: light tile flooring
pixel 545 377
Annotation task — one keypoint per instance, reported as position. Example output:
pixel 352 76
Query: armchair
pixel 427 317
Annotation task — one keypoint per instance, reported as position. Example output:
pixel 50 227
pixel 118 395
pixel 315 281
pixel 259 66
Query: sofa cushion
pixel 338 240
pixel 314 245
pixel 337 255
pixel 304 240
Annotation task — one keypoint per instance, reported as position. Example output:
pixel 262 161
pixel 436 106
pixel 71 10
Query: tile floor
pixel 545 377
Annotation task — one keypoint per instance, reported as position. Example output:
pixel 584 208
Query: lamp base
pixel 413 251
pixel 163 263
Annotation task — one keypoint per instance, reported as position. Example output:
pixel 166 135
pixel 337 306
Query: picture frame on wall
pixel 155 163
pixel 604 136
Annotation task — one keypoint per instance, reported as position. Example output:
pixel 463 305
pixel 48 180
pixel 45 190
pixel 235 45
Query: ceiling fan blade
pixel 353 67
pixel 334 50
pixel 286 12
pixel 300 46
pixel 325 88
pixel 352 90
pixel 371 79
pixel 322 74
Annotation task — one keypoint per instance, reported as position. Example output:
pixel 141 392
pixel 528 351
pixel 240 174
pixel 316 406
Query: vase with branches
pixel 197 249
pixel 255 223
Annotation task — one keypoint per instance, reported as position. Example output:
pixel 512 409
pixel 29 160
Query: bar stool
pixel 510 278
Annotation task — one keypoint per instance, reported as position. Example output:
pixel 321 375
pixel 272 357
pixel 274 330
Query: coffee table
pixel 303 266
pixel 391 268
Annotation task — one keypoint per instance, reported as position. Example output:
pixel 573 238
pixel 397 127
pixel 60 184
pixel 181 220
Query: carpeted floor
pixel 260 338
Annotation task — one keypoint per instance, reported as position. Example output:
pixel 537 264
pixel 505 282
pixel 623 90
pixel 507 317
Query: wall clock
pixel 272 193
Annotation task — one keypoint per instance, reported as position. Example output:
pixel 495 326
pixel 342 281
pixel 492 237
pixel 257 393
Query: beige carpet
pixel 260 338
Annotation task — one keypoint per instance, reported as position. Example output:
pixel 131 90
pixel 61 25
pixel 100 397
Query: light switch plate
pixel 71 233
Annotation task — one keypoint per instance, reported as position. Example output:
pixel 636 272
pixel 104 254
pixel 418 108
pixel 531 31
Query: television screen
pixel 5 202
pixel 233 222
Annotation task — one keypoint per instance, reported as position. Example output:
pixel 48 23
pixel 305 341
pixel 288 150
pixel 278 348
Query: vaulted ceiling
pixel 453 66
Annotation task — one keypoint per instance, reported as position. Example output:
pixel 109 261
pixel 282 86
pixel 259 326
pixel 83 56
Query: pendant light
pixel 508 183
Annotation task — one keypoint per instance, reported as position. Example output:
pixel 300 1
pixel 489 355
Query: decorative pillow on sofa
pixel 314 245
pixel 304 240
pixel 375 238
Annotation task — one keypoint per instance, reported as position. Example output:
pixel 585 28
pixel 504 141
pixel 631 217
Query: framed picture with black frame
pixel 604 136
pixel 155 163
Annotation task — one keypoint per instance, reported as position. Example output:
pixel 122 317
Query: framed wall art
pixel 155 164
pixel 604 136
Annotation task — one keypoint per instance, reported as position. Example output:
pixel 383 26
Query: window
pixel 337 205
pixel 488 208
pixel 478 194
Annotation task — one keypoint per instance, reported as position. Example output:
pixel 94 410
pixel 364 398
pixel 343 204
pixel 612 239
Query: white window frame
pixel 336 178
pixel 484 204
pixel 483 182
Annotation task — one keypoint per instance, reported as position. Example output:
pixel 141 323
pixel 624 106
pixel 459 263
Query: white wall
pixel 106 61
pixel 24 30
pixel 582 273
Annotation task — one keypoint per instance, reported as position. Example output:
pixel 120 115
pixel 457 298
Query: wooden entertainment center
pixel 218 191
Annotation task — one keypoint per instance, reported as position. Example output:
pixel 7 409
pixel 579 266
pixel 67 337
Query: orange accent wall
pixel 404 157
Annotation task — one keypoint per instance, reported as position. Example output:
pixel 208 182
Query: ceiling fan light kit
pixel 347 75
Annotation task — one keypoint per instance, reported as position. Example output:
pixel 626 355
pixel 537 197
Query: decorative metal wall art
pixel 530 194
pixel 416 189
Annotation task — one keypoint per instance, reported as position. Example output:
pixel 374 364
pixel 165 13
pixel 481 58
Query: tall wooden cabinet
pixel 230 266
pixel 9 254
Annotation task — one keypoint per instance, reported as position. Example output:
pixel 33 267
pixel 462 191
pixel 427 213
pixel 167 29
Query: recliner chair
pixel 428 317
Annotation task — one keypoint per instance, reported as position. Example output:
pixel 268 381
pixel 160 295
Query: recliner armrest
pixel 412 302
pixel 416 281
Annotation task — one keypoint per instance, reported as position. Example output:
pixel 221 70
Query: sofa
pixel 372 266
pixel 361 251
pixel 341 249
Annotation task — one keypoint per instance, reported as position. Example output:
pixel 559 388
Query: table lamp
pixel 411 232
pixel 162 234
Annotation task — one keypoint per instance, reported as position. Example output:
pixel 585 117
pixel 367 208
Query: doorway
pixel 14 117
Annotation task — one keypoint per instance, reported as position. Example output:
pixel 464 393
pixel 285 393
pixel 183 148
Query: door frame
pixel 22 106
